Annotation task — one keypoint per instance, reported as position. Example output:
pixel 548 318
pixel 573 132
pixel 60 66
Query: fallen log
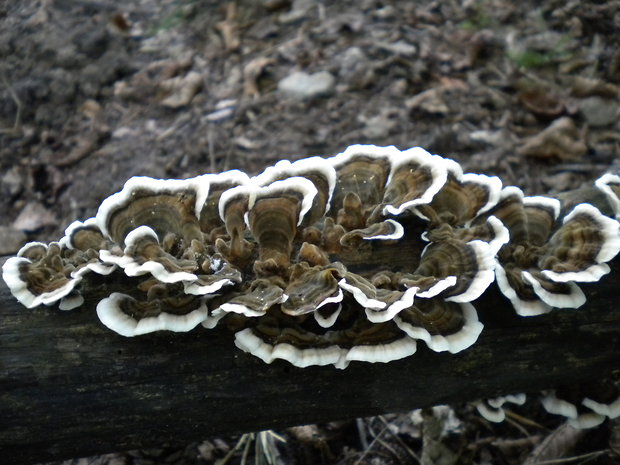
pixel 69 387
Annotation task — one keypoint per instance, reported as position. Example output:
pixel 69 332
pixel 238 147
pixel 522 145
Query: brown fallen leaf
pixel 588 87
pixel 251 72
pixel 85 145
pixel 229 28
pixel 542 102
pixel 429 101
pixel 146 82
pixel 561 140
pixel 180 90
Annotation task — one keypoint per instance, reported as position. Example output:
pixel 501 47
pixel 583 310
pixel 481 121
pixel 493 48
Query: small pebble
pixel 33 216
pixel 599 111
pixel 304 86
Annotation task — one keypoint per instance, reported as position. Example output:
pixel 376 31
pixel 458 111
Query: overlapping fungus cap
pixel 609 184
pixel 546 256
pixel 130 317
pixel 493 409
pixel 586 405
pixel 165 232
pixel 38 275
pixel 354 257
pixel 50 273
pixel 325 260
pixel 326 266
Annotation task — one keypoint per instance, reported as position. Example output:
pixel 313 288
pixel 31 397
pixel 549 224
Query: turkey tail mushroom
pixel 324 261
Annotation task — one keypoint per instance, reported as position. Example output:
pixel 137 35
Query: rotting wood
pixel 69 387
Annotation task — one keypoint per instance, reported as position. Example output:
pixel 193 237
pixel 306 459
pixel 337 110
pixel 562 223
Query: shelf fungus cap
pixel 462 197
pixel 580 248
pixel 512 284
pixel 164 205
pixel 610 184
pixel 255 302
pixel 356 340
pixel 37 275
pixel 493 409
pixel 209 188
pixel 415 178
pixel 319 171
pixel 248 341
pixel 554 294
pixel 362 174
pixel 443 326
pixel 144 255
pixel 129 317
pixel 576 418
pixel 83 235
pixel 610 410
pixel 472 263
pixel 586 404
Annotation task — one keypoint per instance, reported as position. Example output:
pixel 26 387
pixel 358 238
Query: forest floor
pixel 93 92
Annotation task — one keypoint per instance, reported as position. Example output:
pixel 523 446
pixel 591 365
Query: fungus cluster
pixel 324 261
pixel 585 405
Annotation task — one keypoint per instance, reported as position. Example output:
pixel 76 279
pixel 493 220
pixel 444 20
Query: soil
pixel 94 92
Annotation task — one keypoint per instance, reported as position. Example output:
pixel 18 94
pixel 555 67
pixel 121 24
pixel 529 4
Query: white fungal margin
pixel 297 184
pixel 19 288
pixel 110 314
pixel 575 299
pixel 381 316
pixel 360 297
pixel 437 167
pixel 603 183
pixel 522 307
pixel 485 275
pixel 493 186
pixel 453 343
pixel 132 268
pixel 327 321
pixel 249 342
pixel 398 232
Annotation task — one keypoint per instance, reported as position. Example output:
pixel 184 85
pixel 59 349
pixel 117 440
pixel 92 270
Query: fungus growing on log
pixel 324 261
pixel 609 184
pixel 493 409
pixel 585 405
pixel 537 270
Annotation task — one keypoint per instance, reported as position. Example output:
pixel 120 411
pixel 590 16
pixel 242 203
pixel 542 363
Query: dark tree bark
pixel 69 387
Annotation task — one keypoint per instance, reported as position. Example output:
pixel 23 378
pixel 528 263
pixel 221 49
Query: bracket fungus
pixel 585 405
pixel 547 255
pixel 324 261
pixel 493 409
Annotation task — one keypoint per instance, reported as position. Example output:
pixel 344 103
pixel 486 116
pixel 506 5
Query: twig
pixel 361 433
pixel 211 149
pixel 246 449
pixel 411 453
pixel 524 420
pixel 391 449
pixel 229 29
pixel 370 446
pixel 517 425
pixel 574 458
pixel 17 126
pixel 228 456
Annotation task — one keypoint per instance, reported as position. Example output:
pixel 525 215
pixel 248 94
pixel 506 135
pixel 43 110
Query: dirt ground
pixel 94 92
